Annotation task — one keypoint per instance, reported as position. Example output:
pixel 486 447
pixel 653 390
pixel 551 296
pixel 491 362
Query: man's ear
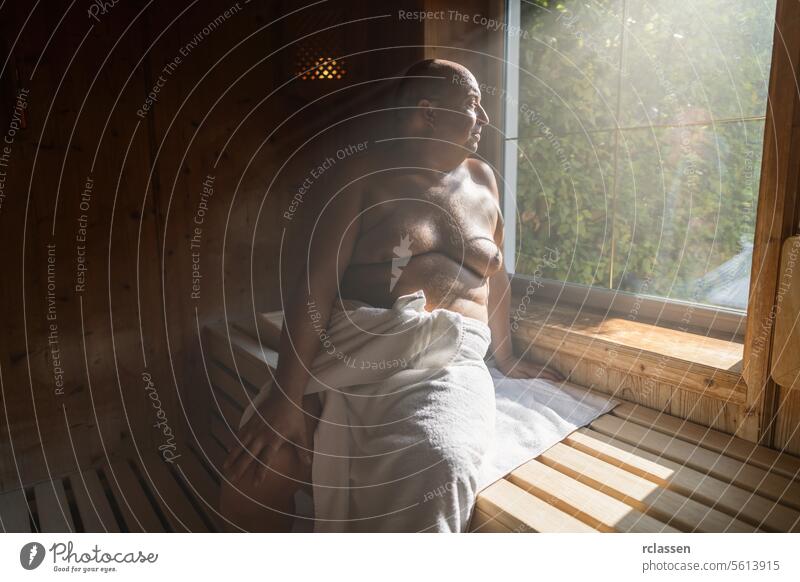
pixel 427 111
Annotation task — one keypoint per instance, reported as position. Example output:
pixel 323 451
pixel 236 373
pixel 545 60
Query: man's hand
pixel 520 368
pixel 281 423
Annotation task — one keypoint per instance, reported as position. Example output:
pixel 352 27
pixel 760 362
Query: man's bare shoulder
pixel 481 173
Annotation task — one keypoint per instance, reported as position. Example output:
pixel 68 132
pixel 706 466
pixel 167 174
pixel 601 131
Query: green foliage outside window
pixel 639 143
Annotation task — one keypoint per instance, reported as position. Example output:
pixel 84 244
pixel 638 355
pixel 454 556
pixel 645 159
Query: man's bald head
pixel 432 79
pixel 441 100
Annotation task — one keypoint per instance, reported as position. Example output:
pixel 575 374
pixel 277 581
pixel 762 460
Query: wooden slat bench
pixel 126 493
pixel 632 470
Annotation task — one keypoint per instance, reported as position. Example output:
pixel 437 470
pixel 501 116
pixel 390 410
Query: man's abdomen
pixel 447 283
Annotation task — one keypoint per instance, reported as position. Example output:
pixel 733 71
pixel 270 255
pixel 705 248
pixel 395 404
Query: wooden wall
pixel 778 218
pixel 464 34
pixel 72 359
pixel 127 340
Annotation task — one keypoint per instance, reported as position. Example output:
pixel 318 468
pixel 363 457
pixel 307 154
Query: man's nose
pixel 483 118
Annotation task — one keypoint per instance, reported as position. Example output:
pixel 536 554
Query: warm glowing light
pixel 311 67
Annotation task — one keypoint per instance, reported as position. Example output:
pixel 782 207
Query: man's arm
pixel 328 256
pixel 499 304
pixel 325 259
pixel 499 289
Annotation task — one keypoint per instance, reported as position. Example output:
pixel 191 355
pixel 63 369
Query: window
pixel 634 137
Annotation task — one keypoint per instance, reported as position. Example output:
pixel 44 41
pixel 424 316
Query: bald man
pixel 418 218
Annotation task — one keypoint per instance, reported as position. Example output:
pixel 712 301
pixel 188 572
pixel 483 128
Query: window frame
pixel 705 319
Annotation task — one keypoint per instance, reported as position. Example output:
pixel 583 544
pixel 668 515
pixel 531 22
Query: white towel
pixel 533 415
pixel 414 424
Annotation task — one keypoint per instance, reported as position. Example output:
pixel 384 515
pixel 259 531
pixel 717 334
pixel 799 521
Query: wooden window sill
pixel 704 365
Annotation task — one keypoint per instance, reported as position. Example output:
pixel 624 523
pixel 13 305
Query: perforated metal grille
pixel 317 55
pixel 312 64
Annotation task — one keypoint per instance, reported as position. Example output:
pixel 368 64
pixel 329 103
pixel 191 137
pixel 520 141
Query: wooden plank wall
pixel 458 35
pixel 131 333
pixel 780 217
pixel 54 331
pixel 774 218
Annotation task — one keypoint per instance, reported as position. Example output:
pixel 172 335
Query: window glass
pixel 640 137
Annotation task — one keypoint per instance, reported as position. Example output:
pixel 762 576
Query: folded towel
pixel 533 415
pixel 414 424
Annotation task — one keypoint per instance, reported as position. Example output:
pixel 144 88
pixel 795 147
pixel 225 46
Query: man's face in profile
pixel 459 115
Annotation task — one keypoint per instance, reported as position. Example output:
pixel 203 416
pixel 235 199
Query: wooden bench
pixel 633 469
pixel 132 491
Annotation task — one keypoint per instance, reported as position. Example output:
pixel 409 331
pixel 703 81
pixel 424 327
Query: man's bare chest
pixel 453 218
